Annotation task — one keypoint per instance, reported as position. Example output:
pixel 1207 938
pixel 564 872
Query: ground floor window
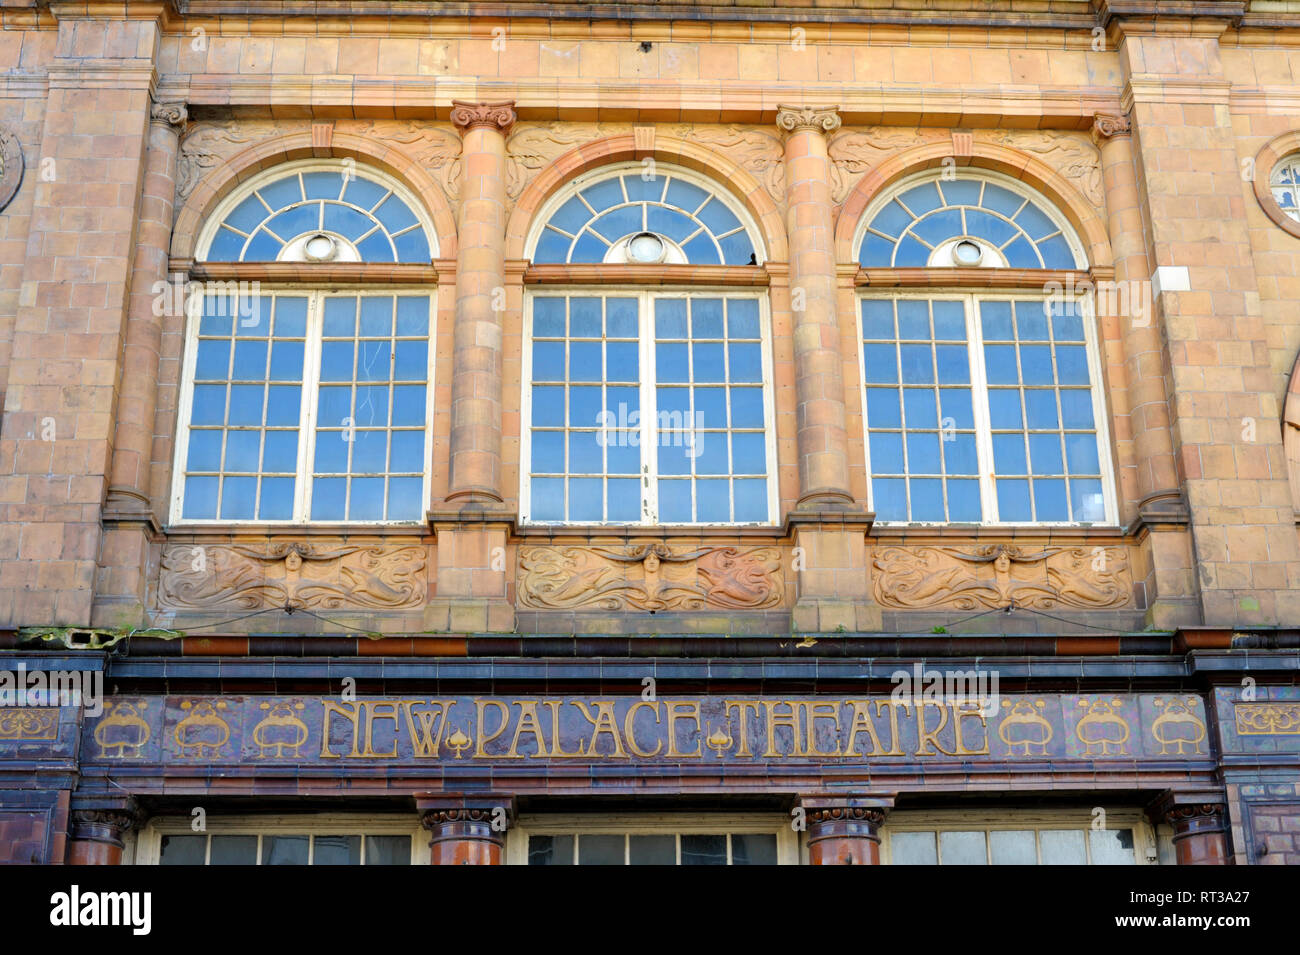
pixel 1072 837
pixel 323 840
pixel 653 840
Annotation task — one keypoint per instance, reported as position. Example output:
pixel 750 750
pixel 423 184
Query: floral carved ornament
pixel 652 576
pixel 998 575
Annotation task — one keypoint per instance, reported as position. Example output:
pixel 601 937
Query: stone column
pixel 476 406
pixel 844 830
pixel 467 830
pixel 130 509
pixel 98 829
pixel 1170 580
pixel 819 383
pixel 1200 826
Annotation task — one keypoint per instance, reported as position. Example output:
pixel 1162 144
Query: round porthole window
pixel 967 253
pixel 646 248
pixel 319 248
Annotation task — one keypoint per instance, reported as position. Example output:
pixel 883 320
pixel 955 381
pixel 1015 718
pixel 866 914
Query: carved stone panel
pixel 649 576
pixel 292 574
pixel 206 144
pixel 997 575
pixel 1070 154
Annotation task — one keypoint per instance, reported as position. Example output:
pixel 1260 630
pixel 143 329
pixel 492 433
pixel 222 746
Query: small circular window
pixel 1285 185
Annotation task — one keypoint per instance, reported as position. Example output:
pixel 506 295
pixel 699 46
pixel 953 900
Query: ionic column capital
pixel 499 116
pixel 1106 126
pixel 168 115
pixel 791 119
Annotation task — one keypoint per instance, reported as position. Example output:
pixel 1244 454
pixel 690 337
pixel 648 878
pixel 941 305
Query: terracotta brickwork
pixel 1150 139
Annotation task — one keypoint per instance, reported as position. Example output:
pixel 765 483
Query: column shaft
pixel 476 405
pixel 819 382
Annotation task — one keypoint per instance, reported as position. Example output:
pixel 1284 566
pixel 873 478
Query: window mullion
pixel 980 409
pixel 307 414
pixel 649 411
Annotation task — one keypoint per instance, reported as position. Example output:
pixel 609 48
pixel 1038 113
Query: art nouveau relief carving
pixel 532 146
pixel 1071 154
pixel 855 152
pixel 299 575
pixel 650 576
pixel 755 150
pixel 206 144
pixel 997 575
pixel 434 146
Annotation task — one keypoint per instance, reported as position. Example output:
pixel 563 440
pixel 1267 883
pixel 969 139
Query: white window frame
pixel 147 849
pixel 646 357
pixel 316 296
pixel 1145 840
pixel 637 824
pixel 1047 207
pixel 970 299
pixel 345 166
pixel 612 170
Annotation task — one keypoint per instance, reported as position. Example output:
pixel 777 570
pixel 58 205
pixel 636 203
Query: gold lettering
pixel 603 723
pixel 527 724
pixel 690 711
pixel 743 707
pixel 556 751
pixel 790 720
pixel 811 715
pixel 374 712
pixel 629 729
pixel 481 737
pixel 966 711
pixel 350 713
pixel 426 740
pixel 926 738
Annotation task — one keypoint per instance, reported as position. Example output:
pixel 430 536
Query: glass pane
pixel 601 850
pixel 183 850
pixel 704 850
pixel 758 848
pixel 1016 847
pixel 388 850
pixel 1062 847
pixel 1111 846
pixel 914 848
pixel 652 850
pixel 550 850
pixel 337 850
pixel 962 848
pixel 284 850
pixel 234 850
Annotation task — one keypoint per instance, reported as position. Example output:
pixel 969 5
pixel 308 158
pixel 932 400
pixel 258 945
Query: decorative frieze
pixel 755 150
pixel 649 576
pixel 855 152
pixel 1267 719
pixel 998 575
pixel 532 146
pixel 1070 154
pixel 434 146
pixel 292 574
pixel 208 143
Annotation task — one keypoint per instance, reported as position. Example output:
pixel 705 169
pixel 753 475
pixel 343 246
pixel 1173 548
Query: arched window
pixel 646 406
pixel 981 392
pixel 308 403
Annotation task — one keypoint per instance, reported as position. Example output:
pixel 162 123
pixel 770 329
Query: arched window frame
pixel 649 284
pixel 970 287
pixel 316 285
pixel 348 167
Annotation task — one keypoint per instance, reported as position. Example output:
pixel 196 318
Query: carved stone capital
pixel 825 119
pixel 1108 126
pixel 483 818
pixel 169 114
pixel 107 822
pixel 1189 813
pixel 499 116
